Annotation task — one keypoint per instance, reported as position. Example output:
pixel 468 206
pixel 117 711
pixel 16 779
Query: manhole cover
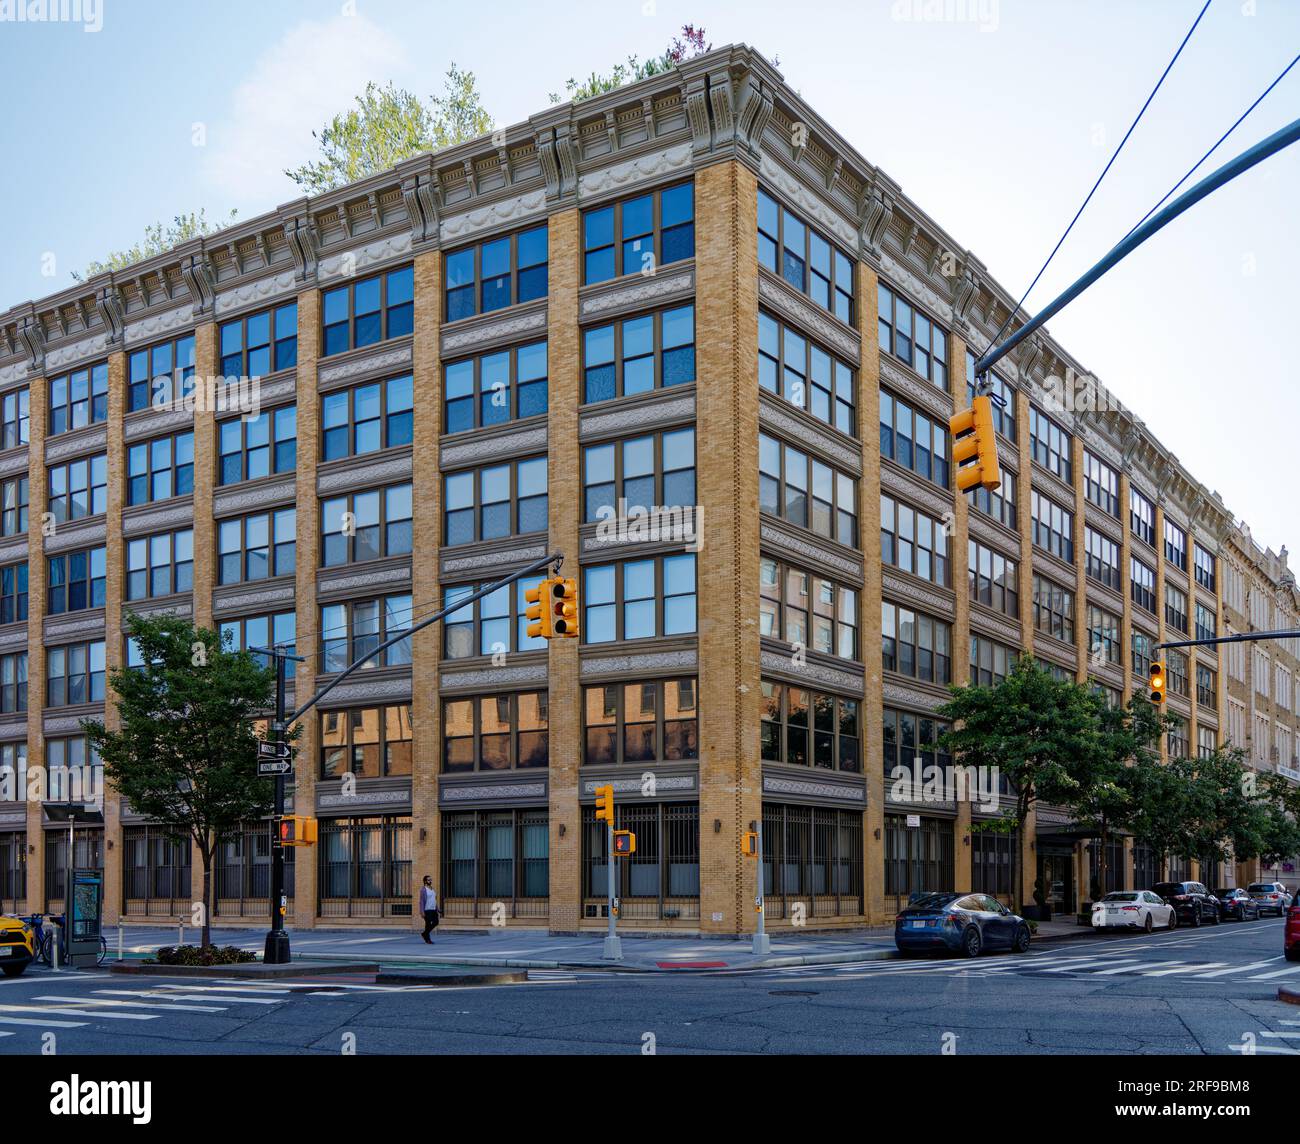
pixel 792 992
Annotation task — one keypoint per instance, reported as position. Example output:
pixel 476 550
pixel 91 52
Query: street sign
pixel 913 820
pixel 272 750
pixel 270 768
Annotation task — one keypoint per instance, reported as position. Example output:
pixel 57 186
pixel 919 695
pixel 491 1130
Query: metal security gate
pixel 364 867
pixel 917 858
pixel 661 881
pixel 494 863
pixel 13 871
pixel 1146 869
pixel 155 873
pixel 87 854
pixel 812 858
pixel 242 878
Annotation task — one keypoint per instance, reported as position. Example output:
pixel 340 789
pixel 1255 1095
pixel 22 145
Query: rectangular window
pixel 1141 517
pixel 501 500
pixel 999 505
pixel 638 473
pixel 1101 484
pixel 1102 557
pixel 810 263
pixel 800 727
pixel 1207 687
pixel 496 623
pixel 637 235
pixel 159 469
pixel 639 354
pixel 366 743
pixel 251 632
pixel 1143 653
pixel 13 492
pixel 498 273
pixel 1053 609
pixel 367 418
pixel 160 565
pixel 491 857
pixel 506 385
pixel 1176 608
pixel 366 526
pixel 74 674
pixel 992 579
pixel 913 439
pixel 639 599
pixel 76 581
pixel 640 723
pixel 914 541
pixel 13 683
pixel 990 662
pixel 158 374
pixel 256 447
pixel 15 424
pixel 1004 414
pixel 909 335
pixel 1207 626
pixel 495 732
pixel 1142 585
pixel 801 607
pixel 76 490
pixel 912 742
pixel 13 788
pixel 13 592
pixel 796 368
pixel 1176 668
pixel 258 546
pixel 351 631
pixel 1053 527
pixel 369 311
pixel 73 774
pixel 1175 545
pixel 261 343
pixel 1204 565
pixel 1103 635
pixel 1050 444
pixel 806 492
pixel 915 644
pixel 77 399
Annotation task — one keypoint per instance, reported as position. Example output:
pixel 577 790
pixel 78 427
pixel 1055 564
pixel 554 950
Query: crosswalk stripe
pixel 148 1004
pixel 1237 969
pixel 1183 969
pixel 70 1012
pixel 1280 1034
pixel 1082 964
pixel 42 1024
pixel 253 989
pixel 1276 973
pixel 169 996
pixel 1141 967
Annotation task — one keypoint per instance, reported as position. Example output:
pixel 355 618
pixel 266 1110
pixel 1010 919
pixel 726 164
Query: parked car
pixel 1236 903
pixel 1271 896
pixel 16 945
pixel 1291 933
pixel 960 923
pixel 1194 903
pixel 1133 909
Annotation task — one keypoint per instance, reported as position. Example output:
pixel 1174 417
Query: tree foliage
pixel 184 751
pixel 686 46
pixel 389 124
pixel 158 238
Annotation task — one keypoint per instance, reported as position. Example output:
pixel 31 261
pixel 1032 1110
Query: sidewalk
pixel 536 949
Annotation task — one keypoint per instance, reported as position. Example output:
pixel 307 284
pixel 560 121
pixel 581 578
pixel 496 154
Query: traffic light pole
pixel 1243 637
pixel 762 943
pixel 276 949
pixel 613 947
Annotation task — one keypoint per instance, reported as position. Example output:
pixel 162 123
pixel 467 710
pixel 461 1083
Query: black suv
pixel 1193 902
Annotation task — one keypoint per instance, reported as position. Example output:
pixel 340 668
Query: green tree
pixel 184 751
pixel 1039 732
pixel 158 238
pixel 389 124
pixel 690 43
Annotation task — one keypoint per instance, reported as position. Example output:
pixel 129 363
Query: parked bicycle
pixel 45 937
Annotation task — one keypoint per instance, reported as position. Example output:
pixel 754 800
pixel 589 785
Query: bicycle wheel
pixel 43 947
pixel 103 950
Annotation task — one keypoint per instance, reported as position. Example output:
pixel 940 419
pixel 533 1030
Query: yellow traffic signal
pixel 296 830
pixel 1157 683
pixel 538 612
pixel 624 842
pixel 564 608
pixel 975 440
pixel 749 844
pixel 605 804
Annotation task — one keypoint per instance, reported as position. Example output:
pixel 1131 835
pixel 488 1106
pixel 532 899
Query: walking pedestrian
pixel 429 908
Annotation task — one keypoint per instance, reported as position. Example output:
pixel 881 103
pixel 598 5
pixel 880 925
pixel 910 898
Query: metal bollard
pixel 120 930
pixel 55 934
pixel 180 934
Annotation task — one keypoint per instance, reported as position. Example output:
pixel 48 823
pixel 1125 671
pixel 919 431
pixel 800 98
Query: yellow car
pixel 17 946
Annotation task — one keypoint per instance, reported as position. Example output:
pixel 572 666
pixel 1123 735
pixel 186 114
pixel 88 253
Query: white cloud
pixel 311 74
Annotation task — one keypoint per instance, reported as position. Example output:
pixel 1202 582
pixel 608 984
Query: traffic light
pixel 605 804
pixel 1157 683
pixel 295 830
pixel 749 844
pixel 975 440
pixel 538 612
pixel 564 608
pixel 624 842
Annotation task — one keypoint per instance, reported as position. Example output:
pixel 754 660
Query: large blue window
pixel 367 418
pixel 160 373
pixel 258 446
pixel 638 355
pixel 639 599
pixel 369 311
pixel 260 343
pixel 158 469
pixel 492 275
pixel 638 235
pixel 812 265
pixel 495 388
pixel 78 398
pixel 77 581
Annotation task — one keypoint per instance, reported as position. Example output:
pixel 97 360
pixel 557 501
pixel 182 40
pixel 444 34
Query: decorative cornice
pixel 455 565
pixel 76 443
pixel 910 697
pixel 492 677
pixel 807 788
pixel 66 628
pixel 398 358
pixel 843 681
pixel 934 402
pixel 632 173
pixel 348 263
pixel 172 517
pixel 281 491
pixel 639 664
pixel 73 352
pixel 358 690
pixel 900 586
pixel 994 626
pixel 810 205
pixel 489 792
pixel 358 476
pixel 595 424
pixel 249 294
pixel 363 799
pixel 807 549
pixel 78 535
pixel 819 326
pixel 516 210
pixel 771 416
pixel 155 423
pixel 247 596
pixel 354 580
pixel 158 325
pixel 489 448
pixel 632 784
pixel 915 490
pixel 197 274
pixel 639 291
pixel 501 329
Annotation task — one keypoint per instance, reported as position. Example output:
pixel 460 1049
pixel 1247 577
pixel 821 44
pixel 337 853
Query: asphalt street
pixel 1208 991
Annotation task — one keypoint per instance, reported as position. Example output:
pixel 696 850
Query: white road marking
pixel 78 1013
pixel 1237 968
pixel 1193 968
pixel 119 1004
pixel 42 1024
pixel 1276 973
pixel 1141 967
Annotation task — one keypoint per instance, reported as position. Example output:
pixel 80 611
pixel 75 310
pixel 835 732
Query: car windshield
pixel 1226 893
pixel 931 901
pixel 1262 888
pixel 1120 898
pixel 1163 888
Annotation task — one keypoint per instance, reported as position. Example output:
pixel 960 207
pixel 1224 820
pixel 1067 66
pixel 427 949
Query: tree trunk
pixel 205 855
pixel 1101 861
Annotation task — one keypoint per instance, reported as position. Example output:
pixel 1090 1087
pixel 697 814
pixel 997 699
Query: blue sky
pixel 996 123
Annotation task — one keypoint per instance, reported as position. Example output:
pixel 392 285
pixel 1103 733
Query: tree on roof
pixel 689 44
pixel 158 238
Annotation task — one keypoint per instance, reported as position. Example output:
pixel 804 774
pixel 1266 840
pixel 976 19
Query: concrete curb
pixel 1290 996
pixel 449 977
pixel 250 969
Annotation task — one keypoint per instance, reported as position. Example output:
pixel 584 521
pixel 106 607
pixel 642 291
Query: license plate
pixel 920 925
pixel 6 950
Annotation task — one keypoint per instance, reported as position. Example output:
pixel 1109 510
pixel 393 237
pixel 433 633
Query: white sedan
pixel 1134 909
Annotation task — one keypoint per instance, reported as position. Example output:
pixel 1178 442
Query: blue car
pixel 959 923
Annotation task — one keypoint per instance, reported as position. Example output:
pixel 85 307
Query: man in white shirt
pixel 429 908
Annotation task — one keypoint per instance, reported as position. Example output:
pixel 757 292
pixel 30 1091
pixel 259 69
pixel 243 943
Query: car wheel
pixel 13 970
pixel 1149 924
pixel 1173 919
pixel 1215 918
pixel 1021 942
pixel 972 942
pixel 1196 918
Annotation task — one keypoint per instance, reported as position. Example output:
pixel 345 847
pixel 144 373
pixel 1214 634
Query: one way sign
pixel 273 759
